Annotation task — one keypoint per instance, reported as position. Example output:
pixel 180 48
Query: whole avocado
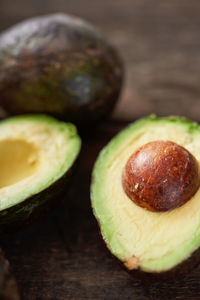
pixel 60 65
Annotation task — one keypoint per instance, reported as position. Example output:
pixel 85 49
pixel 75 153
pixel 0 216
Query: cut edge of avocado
pixel 41 151
pixel 115 233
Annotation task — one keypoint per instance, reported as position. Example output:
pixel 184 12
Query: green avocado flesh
pixel 36 152
pixel 141 239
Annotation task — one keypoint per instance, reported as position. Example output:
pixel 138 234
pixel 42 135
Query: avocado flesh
pixel 18 164
pixel 158 241
pixel 35 152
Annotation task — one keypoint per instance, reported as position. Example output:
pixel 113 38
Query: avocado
pixel 8 285
pixel 147 202
pixel 59 65
pixel 37 153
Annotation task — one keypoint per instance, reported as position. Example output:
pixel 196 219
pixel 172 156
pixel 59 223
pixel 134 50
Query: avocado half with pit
pixel 60 65
pixel 146 197
pixel 37 153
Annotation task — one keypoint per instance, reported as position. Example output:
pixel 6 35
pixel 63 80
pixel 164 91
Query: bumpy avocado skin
pixel 182 268
pixel 8 284
pixel 58 64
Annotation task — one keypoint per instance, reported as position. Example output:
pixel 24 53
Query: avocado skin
pixel 60 65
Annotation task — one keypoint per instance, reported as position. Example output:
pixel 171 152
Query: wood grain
pixel 8 285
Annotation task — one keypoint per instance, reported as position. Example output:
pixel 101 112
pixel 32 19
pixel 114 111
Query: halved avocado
pixel 37 153
pixel 161 243
pixel 60 65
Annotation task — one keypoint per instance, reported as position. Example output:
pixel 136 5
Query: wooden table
pixel 63 256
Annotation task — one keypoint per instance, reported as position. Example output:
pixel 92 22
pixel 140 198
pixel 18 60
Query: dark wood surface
pixel 62 256
pixel 8 284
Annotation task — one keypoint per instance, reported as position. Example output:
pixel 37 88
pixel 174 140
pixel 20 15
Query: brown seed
pixel 160 176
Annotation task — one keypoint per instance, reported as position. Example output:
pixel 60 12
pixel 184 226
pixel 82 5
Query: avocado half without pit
pixel 146 197
pixel 37 153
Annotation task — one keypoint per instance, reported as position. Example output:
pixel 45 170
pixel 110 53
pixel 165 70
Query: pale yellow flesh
pixel 35 151
pixel 18 160
pixel 159 241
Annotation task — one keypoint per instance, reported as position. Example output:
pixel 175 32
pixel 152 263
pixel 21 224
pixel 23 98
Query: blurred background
pixel 158 41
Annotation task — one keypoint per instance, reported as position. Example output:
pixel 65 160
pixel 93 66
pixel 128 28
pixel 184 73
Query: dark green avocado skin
pixel 8 284
pixel 60 65
pixel 37 205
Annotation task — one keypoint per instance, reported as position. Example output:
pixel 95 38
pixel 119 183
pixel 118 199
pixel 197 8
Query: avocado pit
pixel 160 176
